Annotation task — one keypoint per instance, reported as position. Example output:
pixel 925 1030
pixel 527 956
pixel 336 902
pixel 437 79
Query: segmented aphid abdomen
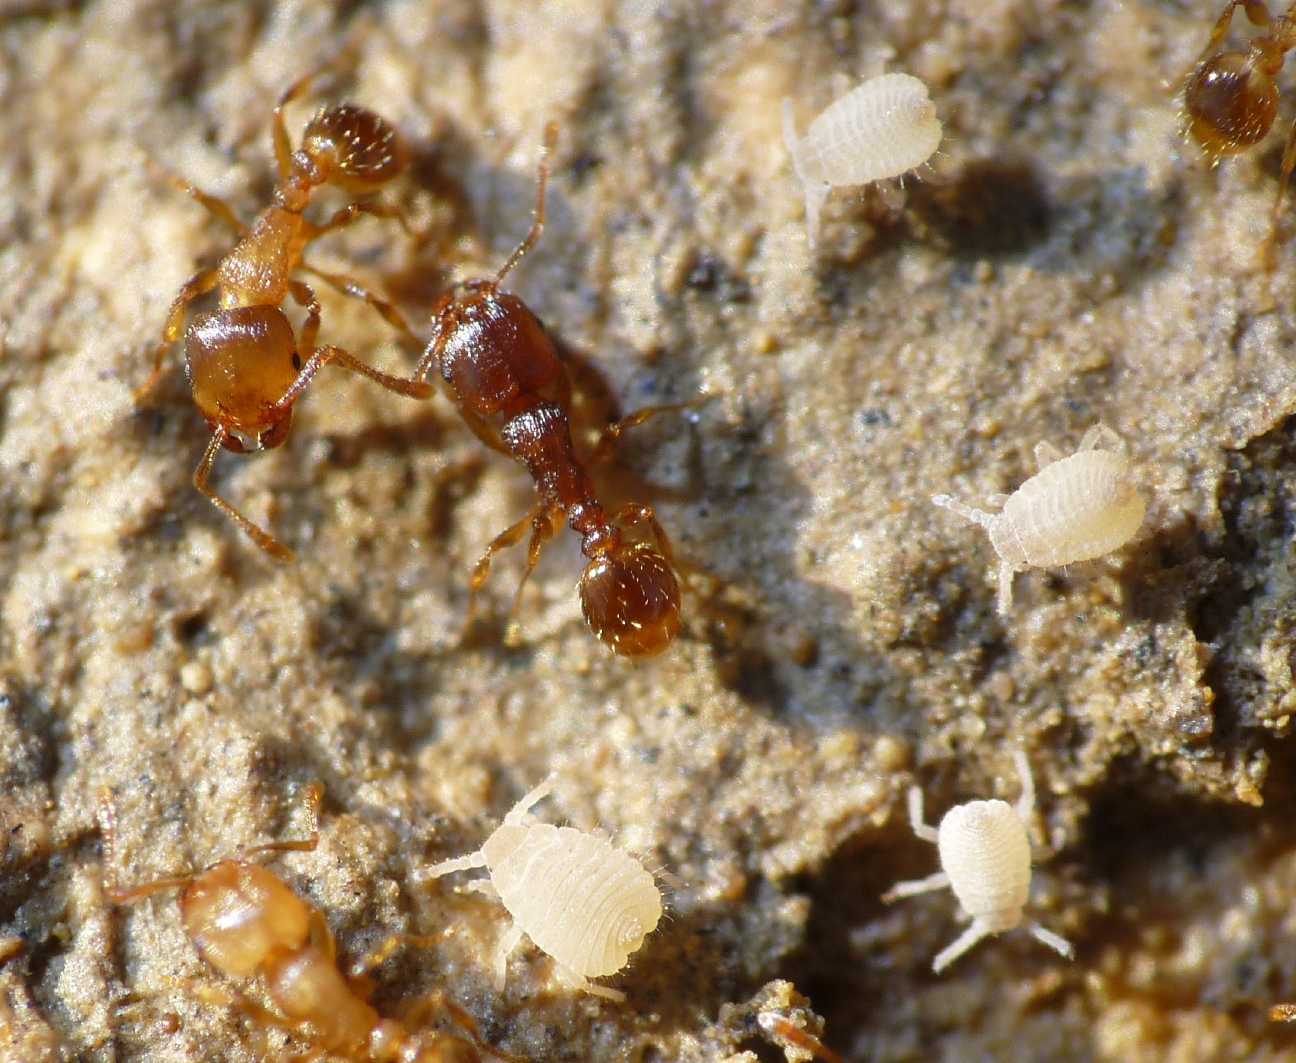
pixel 1075 509
pixel 584 902
pixel 882 128
pixel 985 852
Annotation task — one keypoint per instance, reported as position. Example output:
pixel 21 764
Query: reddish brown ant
pixel 504 374
pixel 243 362
pixel 1231 96
pixel 245 920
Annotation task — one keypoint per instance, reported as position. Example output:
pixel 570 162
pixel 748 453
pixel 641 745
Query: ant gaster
pixel 245 920
pixel 1231 96
pixel 243 362
pixel 502 371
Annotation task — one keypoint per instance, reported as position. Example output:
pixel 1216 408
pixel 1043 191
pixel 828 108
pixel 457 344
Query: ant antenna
pixel 538 215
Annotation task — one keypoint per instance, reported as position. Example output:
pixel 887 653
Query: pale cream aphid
pixel 985 859
pixel 882 128
pixel 1075 508
pixel 579 898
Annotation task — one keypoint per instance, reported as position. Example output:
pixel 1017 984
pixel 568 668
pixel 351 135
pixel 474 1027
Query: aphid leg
pixel 1054 941
pixel 447 867
pixel 577 981
pixel 542 530
pixel 107 814
pixel 538 214
pixel 920 827
pixel 484 886
pixel 1046 454
pixel 913 887
pixel 816 192
pixel 348 286
pixel 510 536
pixel 257 534
pixel 282 145
pixel 1100 437
pixel 507 944
pixel 1026 801
pixel 517 815
pixel 960 945
pixel 976 516
pixel 199 284
pixel 1004 599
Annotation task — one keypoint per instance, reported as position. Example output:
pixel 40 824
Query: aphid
pixel 985 859
pixel 1074 509
pixel 243 362
pixel 1231 96
pixel 503 373
pixel 244 920
pixel 882 128
pixel 584 902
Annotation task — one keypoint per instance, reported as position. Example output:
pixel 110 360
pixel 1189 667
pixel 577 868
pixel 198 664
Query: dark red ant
pixel 502 371
pixel 1231 96
pixel 243 362
pixel 245 920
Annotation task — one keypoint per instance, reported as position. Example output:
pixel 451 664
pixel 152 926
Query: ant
pixel 243 361
pixel 1231 96
pixel 504 374
pixel 245 920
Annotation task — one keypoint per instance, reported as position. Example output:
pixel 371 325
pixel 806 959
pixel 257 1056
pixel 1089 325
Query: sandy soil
pixel 1067 260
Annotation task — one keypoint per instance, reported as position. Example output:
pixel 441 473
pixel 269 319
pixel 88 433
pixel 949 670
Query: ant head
pixel 631 599
pixel 272 917
pixel 1231 103
pixel 240 362
pixel 354 148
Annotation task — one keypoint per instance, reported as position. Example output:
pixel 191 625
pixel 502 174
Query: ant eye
pixel 1231 104
pixel 297 363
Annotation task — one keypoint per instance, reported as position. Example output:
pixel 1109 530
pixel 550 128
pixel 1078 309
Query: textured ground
pixel 1068 260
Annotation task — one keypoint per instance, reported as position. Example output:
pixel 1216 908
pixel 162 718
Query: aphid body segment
pixel 1075 508
pixel 246 367
pixel 882 128
pixel 581 900
pixel 1231 96
pixel 504 375
pixel 245 920
pixel 985 859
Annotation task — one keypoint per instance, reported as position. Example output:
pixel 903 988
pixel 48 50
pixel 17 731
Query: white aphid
pixel 985 860
pixel 1074 509
pixel 581 900
pixel 882 128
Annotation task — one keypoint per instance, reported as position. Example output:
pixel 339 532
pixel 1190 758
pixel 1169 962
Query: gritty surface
pixel 1067 261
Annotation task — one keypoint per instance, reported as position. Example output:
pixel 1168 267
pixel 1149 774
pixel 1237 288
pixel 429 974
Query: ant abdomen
pixel 630 597
pixel 1231 103
pixel 359 149
pixel 240 363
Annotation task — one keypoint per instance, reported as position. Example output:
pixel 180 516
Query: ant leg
pixel 538 214
pixel 258 535
pixel 346 215
pixel 108 828
pixel 510 536
pixel 413 389
pixel 282 145
pixel 199 284
pixel 609 437
pixel 779 1028
pixel 380 955
pixel 348 286
pixel 214 205
pixel 542 530
pixel 314 794
pixel 1268 251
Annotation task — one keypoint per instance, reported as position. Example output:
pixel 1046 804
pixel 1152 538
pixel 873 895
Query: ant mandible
pixel 1231 96
pixel 245 920
pixel 243 362
pixel 503 373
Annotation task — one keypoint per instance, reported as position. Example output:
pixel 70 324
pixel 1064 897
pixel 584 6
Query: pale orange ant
pixel 504 374
pixel 242 360
pixel 1231 95
pixel 245 920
